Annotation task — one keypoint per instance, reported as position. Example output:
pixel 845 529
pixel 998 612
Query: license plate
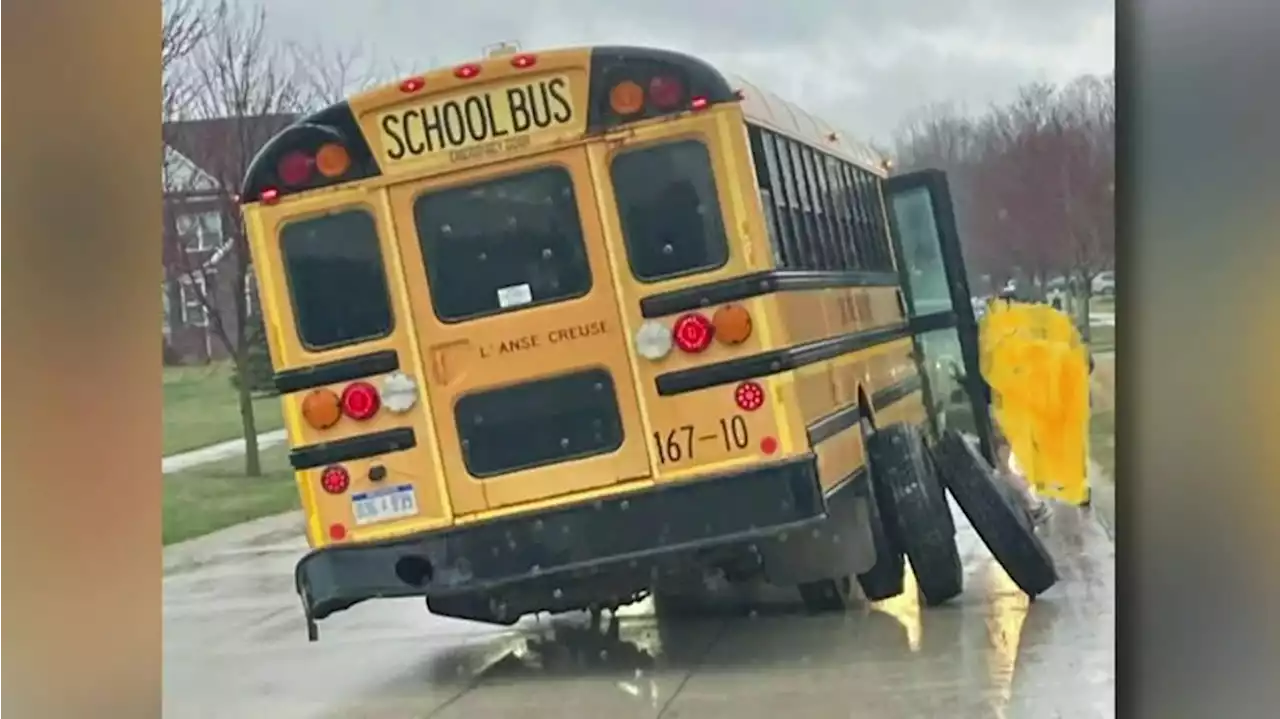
pixel 381 505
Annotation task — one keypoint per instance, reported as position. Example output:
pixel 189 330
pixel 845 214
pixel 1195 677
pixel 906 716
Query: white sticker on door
pixel 514 295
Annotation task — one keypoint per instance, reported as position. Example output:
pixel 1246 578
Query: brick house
pixel 204 161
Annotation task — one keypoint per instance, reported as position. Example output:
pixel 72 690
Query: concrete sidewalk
pixel 213 453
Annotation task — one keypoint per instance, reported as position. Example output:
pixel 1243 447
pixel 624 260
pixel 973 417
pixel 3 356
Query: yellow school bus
pixel 557 330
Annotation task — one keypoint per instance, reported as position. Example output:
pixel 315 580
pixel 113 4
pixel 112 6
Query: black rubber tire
pixel 828 595
pixel 901 473
pixel 995 514
pixel 884 580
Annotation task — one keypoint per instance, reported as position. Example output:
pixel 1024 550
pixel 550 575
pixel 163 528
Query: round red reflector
pixel 749 396
pixel 466 72
pixel 693 332
pixel 665 92
pixel 335 479
pixel 360 400
pixel 294 168
pixel 523 61
pixel 412 84
pixel 338 532
pixel 768 445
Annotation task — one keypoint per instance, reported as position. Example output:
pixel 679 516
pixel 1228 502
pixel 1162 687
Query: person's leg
pixel 1008 471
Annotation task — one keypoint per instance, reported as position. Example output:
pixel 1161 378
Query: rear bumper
pixel 598 535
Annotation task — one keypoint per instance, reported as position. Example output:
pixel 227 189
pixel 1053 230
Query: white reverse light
pixel 653 340
pixel 399 392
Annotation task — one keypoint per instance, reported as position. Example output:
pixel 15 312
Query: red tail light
pixel 360 400
pixel 466 72
pixel 269 195
pixel 692 333
pixel 335 479
pixel 699 103
pixel 749 396
pixel 665 92
pixel 295 168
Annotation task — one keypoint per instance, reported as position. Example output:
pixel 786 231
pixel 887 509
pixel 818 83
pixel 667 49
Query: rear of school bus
pixel 455 273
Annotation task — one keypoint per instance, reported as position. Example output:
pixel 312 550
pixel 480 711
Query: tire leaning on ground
pixel 995 514
pixel 902 475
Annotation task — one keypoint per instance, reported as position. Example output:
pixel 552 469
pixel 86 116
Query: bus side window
pixel 814 163
pixel 866 260
pixel 881 222
pixel 766 196
pixel 777 187
pixel 813 244
pixel 800 236
pixel 848 260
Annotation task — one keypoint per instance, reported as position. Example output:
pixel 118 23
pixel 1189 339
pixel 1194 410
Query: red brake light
pixel 269 195
pixel 335 479
pixel 412 84
pixel 294 168
pixel 665 92
pixel 337 532
pixel 360 400
pixel 693 332
pixel 466 72
pixel 699 103
pixel 524 61
pixel 749 396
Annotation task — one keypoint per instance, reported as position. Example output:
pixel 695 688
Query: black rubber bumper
pixel 684 517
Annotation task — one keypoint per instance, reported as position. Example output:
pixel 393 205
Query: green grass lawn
pixel 217 495
pixel 201 408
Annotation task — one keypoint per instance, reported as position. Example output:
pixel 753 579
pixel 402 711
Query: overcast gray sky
pixel 861 64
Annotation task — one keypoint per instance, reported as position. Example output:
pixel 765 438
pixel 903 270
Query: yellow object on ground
pixel 1038 370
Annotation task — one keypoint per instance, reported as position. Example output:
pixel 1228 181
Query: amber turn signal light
pixel 626 98
pixel 321 408
pixel 732 323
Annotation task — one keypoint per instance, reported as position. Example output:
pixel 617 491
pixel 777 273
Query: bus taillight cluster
pixel 298 167
pixel 663 93
pixel 323 408
pixel 694 332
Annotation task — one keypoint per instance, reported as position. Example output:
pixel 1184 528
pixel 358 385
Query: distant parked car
pixel 1104 283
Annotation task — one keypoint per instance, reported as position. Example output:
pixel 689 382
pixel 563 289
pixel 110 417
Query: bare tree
pixel 244 90
pixel 184 25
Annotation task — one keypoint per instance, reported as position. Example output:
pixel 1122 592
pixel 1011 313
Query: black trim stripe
pixel 344 450
pixel 935 321
pixel 838 421
pixel 756 284
pixel 775 361
pixel 343 370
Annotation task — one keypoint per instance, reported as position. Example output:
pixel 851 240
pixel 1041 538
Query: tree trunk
pixel 252 463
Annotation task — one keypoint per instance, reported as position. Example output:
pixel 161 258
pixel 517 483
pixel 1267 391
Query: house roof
pixel 218 150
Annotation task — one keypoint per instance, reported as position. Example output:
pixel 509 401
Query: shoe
pixel 1040 513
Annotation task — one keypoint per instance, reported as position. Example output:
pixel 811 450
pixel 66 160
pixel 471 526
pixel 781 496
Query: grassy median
pixel 217 495
pixel 202 408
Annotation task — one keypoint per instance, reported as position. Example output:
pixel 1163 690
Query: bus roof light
pixel 700 103
pixel 665 92
pixel 733 324
pixel 269 196
pixel 335 479
pixel 692 333
pixel 412 84
pixel 626 98
pixel 295 168
pixel 332 160
pixel 360 400
pixel 524 61
pixel 466 72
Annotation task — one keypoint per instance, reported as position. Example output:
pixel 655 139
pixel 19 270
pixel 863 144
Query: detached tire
pixel 884 580
pixel 995 514
pixel 903 476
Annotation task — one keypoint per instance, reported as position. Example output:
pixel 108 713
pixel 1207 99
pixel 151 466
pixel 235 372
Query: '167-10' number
pixel 677 445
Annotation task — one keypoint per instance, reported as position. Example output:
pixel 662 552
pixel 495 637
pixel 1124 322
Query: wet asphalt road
pixel 235 646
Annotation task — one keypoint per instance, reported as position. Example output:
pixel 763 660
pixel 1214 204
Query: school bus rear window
pixel 549 420
pixel 337 279
pixel 504 244
pixel 669 210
